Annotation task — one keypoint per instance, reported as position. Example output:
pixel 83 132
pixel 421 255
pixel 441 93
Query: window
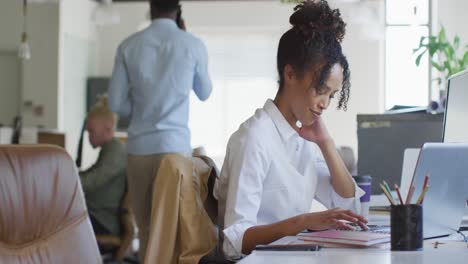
pixel 405 83
pixel 242 68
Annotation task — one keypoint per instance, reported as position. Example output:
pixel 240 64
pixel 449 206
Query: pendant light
pixel 24 51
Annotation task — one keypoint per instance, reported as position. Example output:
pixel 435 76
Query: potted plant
pixel 445 56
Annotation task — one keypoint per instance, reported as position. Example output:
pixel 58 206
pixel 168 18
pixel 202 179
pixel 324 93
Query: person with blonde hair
pixel 104 183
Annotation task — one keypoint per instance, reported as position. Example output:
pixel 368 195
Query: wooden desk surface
pixel 51 137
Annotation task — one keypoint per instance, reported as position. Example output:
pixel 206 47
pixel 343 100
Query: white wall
pixel 77 60
pixel 10 86
pixel 63 46
pixel 453 15
pixel 10 24
pixel 40 73
pixel 365 54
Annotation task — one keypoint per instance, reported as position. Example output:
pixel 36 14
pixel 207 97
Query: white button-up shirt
pixel 269 174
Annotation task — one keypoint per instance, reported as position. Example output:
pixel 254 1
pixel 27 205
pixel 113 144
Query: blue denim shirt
pixel 154 72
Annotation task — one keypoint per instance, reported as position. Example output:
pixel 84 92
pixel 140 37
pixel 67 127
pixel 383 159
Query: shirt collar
pixel 164 22
pixel 285 130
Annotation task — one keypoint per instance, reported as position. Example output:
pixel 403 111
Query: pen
pixel 387 194
pixel 421 196
pixel 388 189
pixel 410 194
pixel 426 180
pixel 398 193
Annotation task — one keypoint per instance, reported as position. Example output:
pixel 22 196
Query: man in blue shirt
pixel 154 71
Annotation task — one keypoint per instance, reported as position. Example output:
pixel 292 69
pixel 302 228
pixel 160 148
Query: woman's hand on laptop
pixel 333 218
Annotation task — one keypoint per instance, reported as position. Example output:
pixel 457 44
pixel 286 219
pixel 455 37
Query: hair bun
pixel 315 17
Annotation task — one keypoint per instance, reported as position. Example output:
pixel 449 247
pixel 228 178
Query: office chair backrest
pixel 186 233
pixel 43 217
pixel 211 204
pixel 79 150
pixel 17 128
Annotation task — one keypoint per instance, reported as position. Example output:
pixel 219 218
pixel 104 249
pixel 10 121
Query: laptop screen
pixel 456 109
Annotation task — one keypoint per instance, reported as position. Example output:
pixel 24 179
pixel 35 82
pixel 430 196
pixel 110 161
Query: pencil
pixel 426 180
pixel 411 189
pixel 421 196
pixel 388 189
pixel 398 193
pixel 410 194
pixel 387 194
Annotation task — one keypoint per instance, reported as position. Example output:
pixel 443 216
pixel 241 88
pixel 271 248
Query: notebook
pixel 348 237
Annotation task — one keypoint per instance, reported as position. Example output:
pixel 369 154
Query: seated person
pixel 282 158
pixel 104 183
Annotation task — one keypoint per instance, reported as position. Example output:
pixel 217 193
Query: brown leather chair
pixel 43 217
pixel 119 244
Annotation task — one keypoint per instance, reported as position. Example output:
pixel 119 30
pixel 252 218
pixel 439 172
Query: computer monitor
pixel 456 109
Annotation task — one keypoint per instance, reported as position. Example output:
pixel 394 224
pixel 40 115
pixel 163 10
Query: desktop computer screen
pixel 456 109
pixel 456 113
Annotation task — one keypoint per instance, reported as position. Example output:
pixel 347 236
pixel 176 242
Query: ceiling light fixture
pixel 24 50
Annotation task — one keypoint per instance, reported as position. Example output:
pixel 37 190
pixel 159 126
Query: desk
pixel 430 255
pixel 51 137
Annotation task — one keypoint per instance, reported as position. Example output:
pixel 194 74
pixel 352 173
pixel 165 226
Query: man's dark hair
pixel 164 6
pixel 315 41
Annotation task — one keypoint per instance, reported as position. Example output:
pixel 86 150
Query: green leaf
pixel 447 60
pixel 442 37
pixel 433 48
pixel 423 47
pixel 456 42
pixel 449 52
pixel 440 68
pixel 448 67
pixel 421 40
pixel 418 59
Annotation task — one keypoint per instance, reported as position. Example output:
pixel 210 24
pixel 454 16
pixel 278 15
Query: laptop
pixel 444 202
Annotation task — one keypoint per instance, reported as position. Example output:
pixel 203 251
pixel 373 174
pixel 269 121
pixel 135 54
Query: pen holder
pixel 406 227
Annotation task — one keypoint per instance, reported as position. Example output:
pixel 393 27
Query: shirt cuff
pixel 353 203
pixel 233 236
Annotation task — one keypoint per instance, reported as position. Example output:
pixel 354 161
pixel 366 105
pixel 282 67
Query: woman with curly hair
pixel 282 158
